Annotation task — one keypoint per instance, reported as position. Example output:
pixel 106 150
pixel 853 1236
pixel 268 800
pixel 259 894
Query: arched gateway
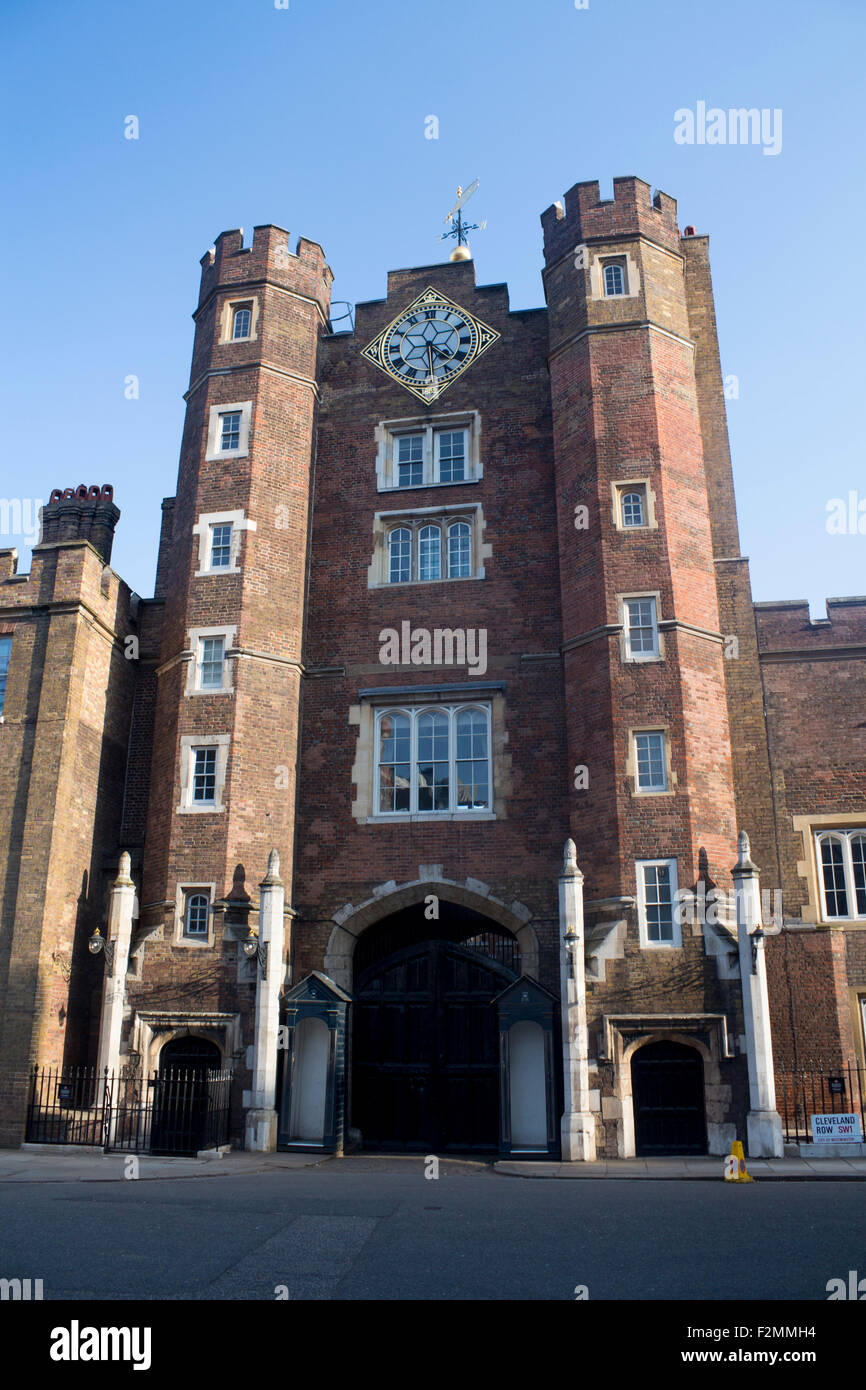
pixel 425 1052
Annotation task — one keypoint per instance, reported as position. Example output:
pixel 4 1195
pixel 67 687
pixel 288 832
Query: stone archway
pixel 389 898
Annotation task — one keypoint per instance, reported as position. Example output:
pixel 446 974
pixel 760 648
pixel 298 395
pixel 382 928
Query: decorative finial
pixel 272 878
pixel 569 859
pixel 744 866
pixel 124 867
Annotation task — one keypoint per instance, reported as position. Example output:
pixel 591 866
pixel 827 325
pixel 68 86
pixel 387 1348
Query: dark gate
pixel 425 1046
pixel 181 1096
pixel 667 1082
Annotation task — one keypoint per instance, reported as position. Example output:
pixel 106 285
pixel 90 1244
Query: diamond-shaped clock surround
pixel 483 337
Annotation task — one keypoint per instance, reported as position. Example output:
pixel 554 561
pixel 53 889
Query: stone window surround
pixel 387 431
pixel 384 522
pixel 189 888
pixel 807 867
pixel 631 274
pixel 193 670
pixel 363 717
pixel 623 485
pixel 226 322
pixel 213 451
pixel 187 767
pixel 640 658
pixel 631 760
pixel 206 520
pixel 646 944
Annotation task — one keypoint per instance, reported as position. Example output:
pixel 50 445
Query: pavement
pixel 51 1163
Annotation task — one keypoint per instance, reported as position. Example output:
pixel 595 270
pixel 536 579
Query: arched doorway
pixel 180 1099
pixel 667 1082
pixel 425 1056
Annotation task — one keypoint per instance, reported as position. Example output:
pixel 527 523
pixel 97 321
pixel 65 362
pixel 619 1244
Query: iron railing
pixel 171 1112
pixel 818 1089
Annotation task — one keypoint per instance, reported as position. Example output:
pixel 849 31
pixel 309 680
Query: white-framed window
pixel 650 761
pixel 196 917
pixel 459 550
pixel 421 549
pixel 210 671
pixel 219 535
pixel 229 430
pixel 242 320
pixel 429 453
pixel 5 657
pixel 204 773
pixel 430 456
pixel 614 278
pixel 204 758
pixel 640 628
pixel 220 550
pixel 633 507
pixel 841 856
pixel 433 760
pixel 212 662
pixel 410 460
pixel 656 898
pixel 450 450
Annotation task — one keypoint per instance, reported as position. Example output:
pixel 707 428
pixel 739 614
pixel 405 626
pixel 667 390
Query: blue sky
pixel 313 117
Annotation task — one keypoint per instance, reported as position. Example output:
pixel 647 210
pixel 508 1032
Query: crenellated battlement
pixel 230 263
pixel 633 210
pixel 787 626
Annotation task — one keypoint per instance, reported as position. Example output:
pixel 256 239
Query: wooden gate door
pixel 667 1082
pixel 425 1047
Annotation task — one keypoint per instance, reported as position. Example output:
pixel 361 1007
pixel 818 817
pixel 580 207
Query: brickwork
pixel 570 402
pixel 63 745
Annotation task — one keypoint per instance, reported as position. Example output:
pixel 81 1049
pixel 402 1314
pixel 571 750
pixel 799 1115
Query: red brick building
pixel 435 597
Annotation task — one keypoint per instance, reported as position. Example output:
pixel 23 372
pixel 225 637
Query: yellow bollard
pixel 735 1165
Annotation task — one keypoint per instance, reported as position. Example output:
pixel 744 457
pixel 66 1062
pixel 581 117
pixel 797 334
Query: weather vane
pixel 459 228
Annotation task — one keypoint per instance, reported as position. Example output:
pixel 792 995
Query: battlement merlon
pixel 787 626
pixel 229 263
pixel 633 210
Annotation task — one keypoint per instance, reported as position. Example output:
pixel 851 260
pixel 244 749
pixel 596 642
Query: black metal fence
pixel 171 1112
pixel 815 1089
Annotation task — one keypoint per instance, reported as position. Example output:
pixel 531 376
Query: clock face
pixel 430 344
